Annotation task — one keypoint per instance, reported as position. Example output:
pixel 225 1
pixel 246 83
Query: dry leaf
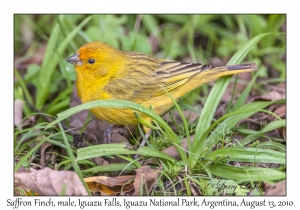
pixel 271 96
pixel 279 189
pixel 277 92
pixel 20 189
pixel 44 155
pixel 171 150
pixel 49 182
pixel 239 87
pixel 281 132
pixel 280 111
pixel 146 177
pixel 18 113
pixel 104 185
pixel 189 115
pixel 100 161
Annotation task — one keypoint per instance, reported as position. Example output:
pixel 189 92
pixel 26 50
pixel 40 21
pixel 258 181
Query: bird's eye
pixel 91 61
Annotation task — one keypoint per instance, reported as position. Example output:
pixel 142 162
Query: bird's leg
pixel 111 129
pixel 146 138
pixel 143 142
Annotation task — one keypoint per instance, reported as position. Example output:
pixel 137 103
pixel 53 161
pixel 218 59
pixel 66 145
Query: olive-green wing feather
pixel 179 73
pixel 147 77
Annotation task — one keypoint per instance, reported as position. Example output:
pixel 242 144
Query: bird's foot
pixel 113 128
pixel 78 140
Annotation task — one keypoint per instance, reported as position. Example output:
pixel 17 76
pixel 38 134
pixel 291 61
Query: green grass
pixel 46 90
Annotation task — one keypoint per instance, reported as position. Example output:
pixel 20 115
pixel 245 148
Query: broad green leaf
pixel 117 149
pixel 246 173
pixel 248 155
pixel 110 167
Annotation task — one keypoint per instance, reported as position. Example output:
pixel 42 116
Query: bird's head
pixel 93 55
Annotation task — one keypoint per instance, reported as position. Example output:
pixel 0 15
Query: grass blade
pixel 248 155
pixel 51 59
pixel 122 104
pixel 215 96
pixel 118 149
pixel 72 158
pixel 269 127
pixel 246 173
pixel 110 167
pixel 242 98
pixel 232 121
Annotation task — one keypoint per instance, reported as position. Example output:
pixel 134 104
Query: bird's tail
pixel 242 66
pixel 215 73
pixel 232 69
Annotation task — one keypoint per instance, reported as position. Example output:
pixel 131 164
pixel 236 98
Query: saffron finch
pixel 104 72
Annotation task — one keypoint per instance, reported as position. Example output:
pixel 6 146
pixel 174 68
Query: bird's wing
pixel 149 77
pixel 179 73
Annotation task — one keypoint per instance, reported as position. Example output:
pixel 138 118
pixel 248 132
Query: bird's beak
pixel 74 59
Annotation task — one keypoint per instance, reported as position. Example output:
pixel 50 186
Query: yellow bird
pixel 104 72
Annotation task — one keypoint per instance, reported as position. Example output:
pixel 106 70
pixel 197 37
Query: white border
pixel 153 6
